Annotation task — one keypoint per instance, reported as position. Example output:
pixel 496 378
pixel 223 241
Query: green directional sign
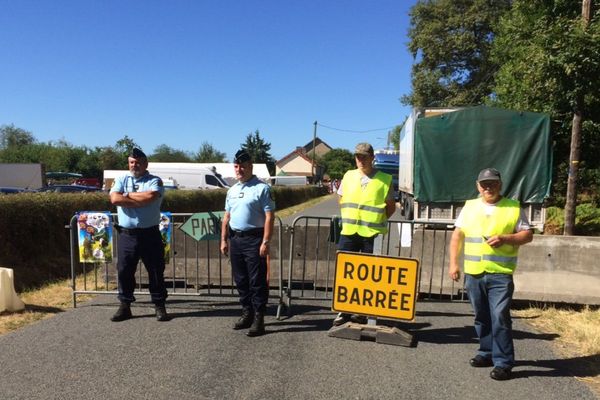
pixel 204 226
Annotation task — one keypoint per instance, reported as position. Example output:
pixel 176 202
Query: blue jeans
pixel 356 243
pixel 491 295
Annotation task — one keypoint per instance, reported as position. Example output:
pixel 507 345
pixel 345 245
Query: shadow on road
pixel 582 367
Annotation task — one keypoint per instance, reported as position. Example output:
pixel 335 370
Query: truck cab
pixel 388 161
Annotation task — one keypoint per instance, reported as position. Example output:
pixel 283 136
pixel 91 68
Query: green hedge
pixel 35 242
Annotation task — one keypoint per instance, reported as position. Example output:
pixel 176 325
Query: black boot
pixel 245 320
pixel 258 326
pixel 161 313
pixel 123 313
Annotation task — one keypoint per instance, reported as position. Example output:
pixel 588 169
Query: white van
pixel 184 176
pixel 188 175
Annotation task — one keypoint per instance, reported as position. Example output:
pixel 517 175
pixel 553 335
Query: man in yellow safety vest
pixel 490 228
pixel 366 202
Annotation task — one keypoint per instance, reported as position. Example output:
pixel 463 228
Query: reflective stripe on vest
pixel 361 207
pixel 479 256
pixel 363 210
pixel 500 259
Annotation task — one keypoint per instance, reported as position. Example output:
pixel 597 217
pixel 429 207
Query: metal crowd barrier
pixel 198 268
pixel 312 253
pixel 194 268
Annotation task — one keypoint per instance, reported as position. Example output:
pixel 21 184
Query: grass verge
pixel 578 337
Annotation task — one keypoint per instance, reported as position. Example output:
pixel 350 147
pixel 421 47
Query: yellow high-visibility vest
pixel 477 226
pixel 363 210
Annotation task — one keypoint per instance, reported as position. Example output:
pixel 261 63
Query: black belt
pixel 256 232
pixel 134 231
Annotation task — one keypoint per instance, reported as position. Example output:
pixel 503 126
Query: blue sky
pixel 183 72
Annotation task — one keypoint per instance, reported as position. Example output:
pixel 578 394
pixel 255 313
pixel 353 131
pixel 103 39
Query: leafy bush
pixel 587 220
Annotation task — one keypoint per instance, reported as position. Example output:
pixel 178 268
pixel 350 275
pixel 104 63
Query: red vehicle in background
pixel 95 182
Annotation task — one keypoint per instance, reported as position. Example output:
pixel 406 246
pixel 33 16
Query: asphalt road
pixel 328 208
pixel 81 354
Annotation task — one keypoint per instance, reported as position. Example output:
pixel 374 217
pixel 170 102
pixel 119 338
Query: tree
pixel 207 154
pixel 550 61
pixel 336 162
pixel 109 158
pixel 13 137
pixel 257 148
pixel 395 135
pixel 124 146
pixel 451 39
pixel 165 153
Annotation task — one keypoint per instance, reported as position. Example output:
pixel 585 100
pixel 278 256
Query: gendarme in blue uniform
pixel 247 202
pixel 139 237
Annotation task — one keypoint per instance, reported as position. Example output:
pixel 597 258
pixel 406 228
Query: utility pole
pixel 314 153
pixel 574 155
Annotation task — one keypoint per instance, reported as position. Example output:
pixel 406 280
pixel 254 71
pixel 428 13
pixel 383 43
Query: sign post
pixel 375 285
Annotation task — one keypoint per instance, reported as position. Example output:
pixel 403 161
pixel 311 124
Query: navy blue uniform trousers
pixel 145 244
pixel 249 271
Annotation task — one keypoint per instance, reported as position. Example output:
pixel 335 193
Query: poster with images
pixel 165 233
pixel 94 233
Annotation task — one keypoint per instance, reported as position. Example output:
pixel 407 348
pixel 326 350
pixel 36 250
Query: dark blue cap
pixel 137 153
pixel 241 156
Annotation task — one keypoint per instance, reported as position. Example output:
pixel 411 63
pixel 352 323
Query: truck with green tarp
pixel 443 150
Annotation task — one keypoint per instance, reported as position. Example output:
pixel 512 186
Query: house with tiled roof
pixel 299 161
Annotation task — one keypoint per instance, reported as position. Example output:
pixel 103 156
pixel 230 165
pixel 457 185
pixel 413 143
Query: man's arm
pixel 269 220
pixel 133 199
pixel 224 233
pixel 456 243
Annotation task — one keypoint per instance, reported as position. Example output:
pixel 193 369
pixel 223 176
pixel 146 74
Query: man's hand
pixel 264 249
pixel 515 239
pixel 224 247
pixel 454 271
pixel 456 243
pixel 494 241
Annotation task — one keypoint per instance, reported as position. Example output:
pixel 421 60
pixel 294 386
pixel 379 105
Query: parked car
pixel 69 189
pixel 12 190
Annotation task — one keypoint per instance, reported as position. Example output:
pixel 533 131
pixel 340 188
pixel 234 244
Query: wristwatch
pixel 265 242
pixel 125 194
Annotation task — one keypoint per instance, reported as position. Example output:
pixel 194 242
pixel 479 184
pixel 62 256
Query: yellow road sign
pixel 375 285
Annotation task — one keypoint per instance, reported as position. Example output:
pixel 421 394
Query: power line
pixel 353 130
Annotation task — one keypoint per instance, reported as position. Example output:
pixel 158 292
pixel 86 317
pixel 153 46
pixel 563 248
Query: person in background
pixel 490 228
pixel 246 235
pixel 366 203
pixel 138 196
